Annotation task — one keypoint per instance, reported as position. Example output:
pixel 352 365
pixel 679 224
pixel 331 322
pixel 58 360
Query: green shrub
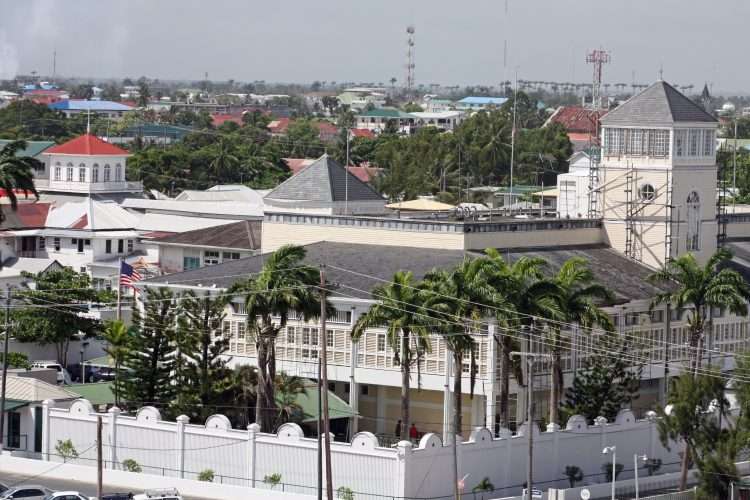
pixel 131 465
pixel 206 476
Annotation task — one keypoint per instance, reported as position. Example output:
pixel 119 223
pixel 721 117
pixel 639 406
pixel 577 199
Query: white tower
pixel 658 177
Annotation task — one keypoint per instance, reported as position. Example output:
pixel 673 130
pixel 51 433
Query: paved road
pixel 87 489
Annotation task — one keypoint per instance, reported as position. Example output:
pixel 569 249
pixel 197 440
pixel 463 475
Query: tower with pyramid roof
pixel 658 177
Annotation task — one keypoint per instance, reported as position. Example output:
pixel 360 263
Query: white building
pixel 573 187
pixel 107 109
pixel 444 120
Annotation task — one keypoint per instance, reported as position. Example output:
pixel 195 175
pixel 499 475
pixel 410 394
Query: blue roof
pixel 484 101
pixel 83 105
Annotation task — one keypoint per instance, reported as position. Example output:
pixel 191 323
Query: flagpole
pixel 119 289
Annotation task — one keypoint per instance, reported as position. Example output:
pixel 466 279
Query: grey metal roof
pixel 374 263
pixel 238 235
pixel 324 181
pixel 657 105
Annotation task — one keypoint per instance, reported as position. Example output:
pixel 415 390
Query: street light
pixel 83 367
pixel 613 451
pixel 637 457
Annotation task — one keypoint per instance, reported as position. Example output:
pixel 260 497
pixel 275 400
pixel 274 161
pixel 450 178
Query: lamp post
pixel 83 367
pixel 613 451
pixel 637 457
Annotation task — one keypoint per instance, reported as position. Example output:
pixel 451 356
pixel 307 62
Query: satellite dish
pixel 585 494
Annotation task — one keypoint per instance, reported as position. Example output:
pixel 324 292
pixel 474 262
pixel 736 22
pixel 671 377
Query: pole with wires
pixel 320 435
pixel 323 380
pixel 99 463
pixel 5 366
pixel 346 176
pixel 513 134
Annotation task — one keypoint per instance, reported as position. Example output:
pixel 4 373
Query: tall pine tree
pixel 202 346
pixel 151 359
pixel 607 383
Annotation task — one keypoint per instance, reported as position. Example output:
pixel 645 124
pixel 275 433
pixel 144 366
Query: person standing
pixel 397 432
pixel 413 433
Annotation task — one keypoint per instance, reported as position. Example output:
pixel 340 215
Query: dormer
pixel 87 165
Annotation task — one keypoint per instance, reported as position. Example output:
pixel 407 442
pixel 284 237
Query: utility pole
pixel 324 382
pixel 513 134
pixel 346 176
pixel 99 464
pixel 734 167
pixel 5 366
pixel 320 435
pixel 668 328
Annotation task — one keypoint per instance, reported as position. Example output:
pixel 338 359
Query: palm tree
pixel 701 288
pixel 224 160
pixel 243 389
pixel 17 173
pixel 283 286
pixel 119 338
pixel 578 297
pixel 288 388
pixel 531 296
pixel 399 309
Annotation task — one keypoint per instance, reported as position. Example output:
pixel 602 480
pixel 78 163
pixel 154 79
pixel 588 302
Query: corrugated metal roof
pixel 84 105
pixel 33 148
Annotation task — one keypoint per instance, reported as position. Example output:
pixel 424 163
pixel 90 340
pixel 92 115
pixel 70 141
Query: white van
pixel 63 377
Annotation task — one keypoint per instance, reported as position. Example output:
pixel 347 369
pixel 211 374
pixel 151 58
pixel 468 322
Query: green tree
pixel 17 173
pixel 71 293
pixel 579 297
pixel 399 309
pixel 17 360
pixel 574 474
pixel 225 160
pixel 199 326
pixel 119 338
pixel 285 285
pixel 151 360
pixel 607 383
pixel 288 388
pixel 700 288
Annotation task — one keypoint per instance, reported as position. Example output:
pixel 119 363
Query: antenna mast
pixel 598 58
pixel 410 59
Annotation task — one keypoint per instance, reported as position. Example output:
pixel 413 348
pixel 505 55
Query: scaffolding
pixel 721 208
pixel 594 191
pixel 630 211
pixel 669 218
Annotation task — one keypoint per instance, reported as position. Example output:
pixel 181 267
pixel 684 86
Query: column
pixel 253 430
pixel 447 413
pixel 354 389
pixel 46 405
pixel 381 409
pixel 181 421
pixel 404 451
pixel 114 412
pixel 490 409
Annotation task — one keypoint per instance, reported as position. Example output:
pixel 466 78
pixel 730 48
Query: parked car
pixel 160 494
pixel 27 492
pixel 117 496
pixel 63 377
pixel 92 373
pixel 67 495
pixel 3 487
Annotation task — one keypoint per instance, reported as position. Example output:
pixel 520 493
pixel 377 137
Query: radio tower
pixel 410 59
pixel 598 58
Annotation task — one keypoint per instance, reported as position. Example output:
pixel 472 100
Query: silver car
pixel 26 491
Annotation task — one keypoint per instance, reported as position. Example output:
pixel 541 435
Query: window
pixel 108 246
pixel 210 258
pixel 381 342
pixel 364 390
pixel 241 329
pixel 130 246
pixel 82 173
pixel 118 172
pixel 314 336
pixel 42 243
pixel 290 335
pixel 657 316
pixel 658 143
pixel 189 263
pixel 647 192
pixel 87 243
pixel 230 255
pixel 58 172
pixel 693 221
pixel 107 173
pixel 226 329
pixel 709 143
pixel 330 336
pixel 693 142
pixel 56 244
pixel 680 140
pixel 69 173
pixel 95 173
pixel 635 141
pixel 341 317
pixel 120 246
pixel 306 336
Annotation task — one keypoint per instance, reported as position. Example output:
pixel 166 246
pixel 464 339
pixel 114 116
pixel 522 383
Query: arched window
pixel 693 222
pixel 58 171
pixel 647 192
pixel 107 172
pixel 82 172
pixel 95 173
pixel 118 172
pixel 69 173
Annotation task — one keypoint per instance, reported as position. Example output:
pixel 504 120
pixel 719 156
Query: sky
pixel 457 42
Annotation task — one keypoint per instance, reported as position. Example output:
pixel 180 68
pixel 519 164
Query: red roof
pixel 279 126
pixel 27 214
pixel 219 118
pixel 326 131
pixel 87 145
pixel 363 132
pixel 81 223
pixel 577 119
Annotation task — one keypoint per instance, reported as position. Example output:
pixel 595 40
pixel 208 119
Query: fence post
pixel 114 412
pixel 252 435
pixel 46 405
pixel 403 452
pixel 181 421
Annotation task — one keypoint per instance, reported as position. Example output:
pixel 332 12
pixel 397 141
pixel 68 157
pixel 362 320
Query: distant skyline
pixel 457 43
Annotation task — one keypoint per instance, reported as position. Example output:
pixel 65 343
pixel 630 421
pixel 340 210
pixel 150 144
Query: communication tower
pixel 598 58
pixel 410 58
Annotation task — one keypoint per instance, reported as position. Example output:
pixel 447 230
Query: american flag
pixel 128 275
